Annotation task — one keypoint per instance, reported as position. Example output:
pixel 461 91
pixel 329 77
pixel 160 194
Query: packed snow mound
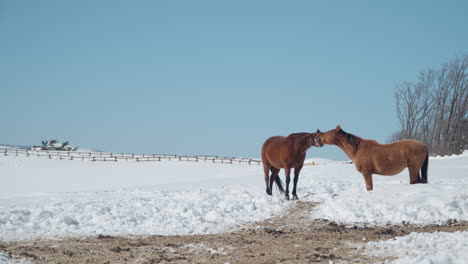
pixel 5 259
pixel 135 212
pixel 423 248
pixel 463 154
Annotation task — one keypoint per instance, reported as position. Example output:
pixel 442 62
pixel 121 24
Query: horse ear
pixel 338 128
pixel 318 131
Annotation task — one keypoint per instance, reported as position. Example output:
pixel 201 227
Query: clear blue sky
pixel 213 77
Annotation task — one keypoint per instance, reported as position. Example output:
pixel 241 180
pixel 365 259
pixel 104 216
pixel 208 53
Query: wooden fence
pixel 107 156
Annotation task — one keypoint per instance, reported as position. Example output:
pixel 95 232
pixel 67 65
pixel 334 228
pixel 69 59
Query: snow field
pixel 175 198
pixel 57 198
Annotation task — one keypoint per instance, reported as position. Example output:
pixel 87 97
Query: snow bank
pixel 395 204
pixel 134 212
pixel 343 198
pixel 424 248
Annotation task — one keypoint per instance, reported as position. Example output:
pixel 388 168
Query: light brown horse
pixel 286 152
pixel 370 157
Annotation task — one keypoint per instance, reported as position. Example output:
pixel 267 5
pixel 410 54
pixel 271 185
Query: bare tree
pixel 434 110
pixel 406 98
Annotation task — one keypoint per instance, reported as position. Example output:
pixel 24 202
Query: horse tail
pixel 424 169
pixel 278 181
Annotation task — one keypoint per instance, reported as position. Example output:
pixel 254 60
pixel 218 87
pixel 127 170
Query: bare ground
pixel 290 238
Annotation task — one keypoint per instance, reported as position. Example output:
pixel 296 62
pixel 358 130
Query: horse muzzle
pixel 317 142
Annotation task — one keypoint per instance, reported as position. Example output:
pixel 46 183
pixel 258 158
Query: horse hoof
pixel 295 197
pixel 268 191
pixel 286 197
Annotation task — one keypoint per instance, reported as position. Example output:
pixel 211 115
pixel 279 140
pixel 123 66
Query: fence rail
pixel 108 156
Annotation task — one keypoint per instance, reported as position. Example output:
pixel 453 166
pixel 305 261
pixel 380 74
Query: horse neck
pixel 347 148
pixel 304 143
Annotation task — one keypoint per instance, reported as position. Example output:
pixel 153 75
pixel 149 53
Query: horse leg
pixel 266 170
pixel 297 170
pixel 274 174
pixel 368 180
pixel 414 175
pixel 287 172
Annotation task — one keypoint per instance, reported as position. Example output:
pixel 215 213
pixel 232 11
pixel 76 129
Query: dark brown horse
pixel 370 157
pixel 286 152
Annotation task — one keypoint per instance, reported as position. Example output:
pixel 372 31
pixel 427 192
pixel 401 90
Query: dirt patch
pixel 290 238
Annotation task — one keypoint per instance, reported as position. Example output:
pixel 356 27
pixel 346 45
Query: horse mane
pixel 302 144
pixel 350 139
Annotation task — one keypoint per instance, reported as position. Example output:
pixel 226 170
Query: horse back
pixel 282 151
pixel 411 148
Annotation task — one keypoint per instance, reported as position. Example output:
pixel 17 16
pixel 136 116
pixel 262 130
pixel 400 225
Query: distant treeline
pixel 433 109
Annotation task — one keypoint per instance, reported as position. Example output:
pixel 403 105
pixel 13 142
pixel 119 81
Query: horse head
pixel 330 137
pixel 316 139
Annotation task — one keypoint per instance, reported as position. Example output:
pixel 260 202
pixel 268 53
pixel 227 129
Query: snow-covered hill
pixel 9 146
